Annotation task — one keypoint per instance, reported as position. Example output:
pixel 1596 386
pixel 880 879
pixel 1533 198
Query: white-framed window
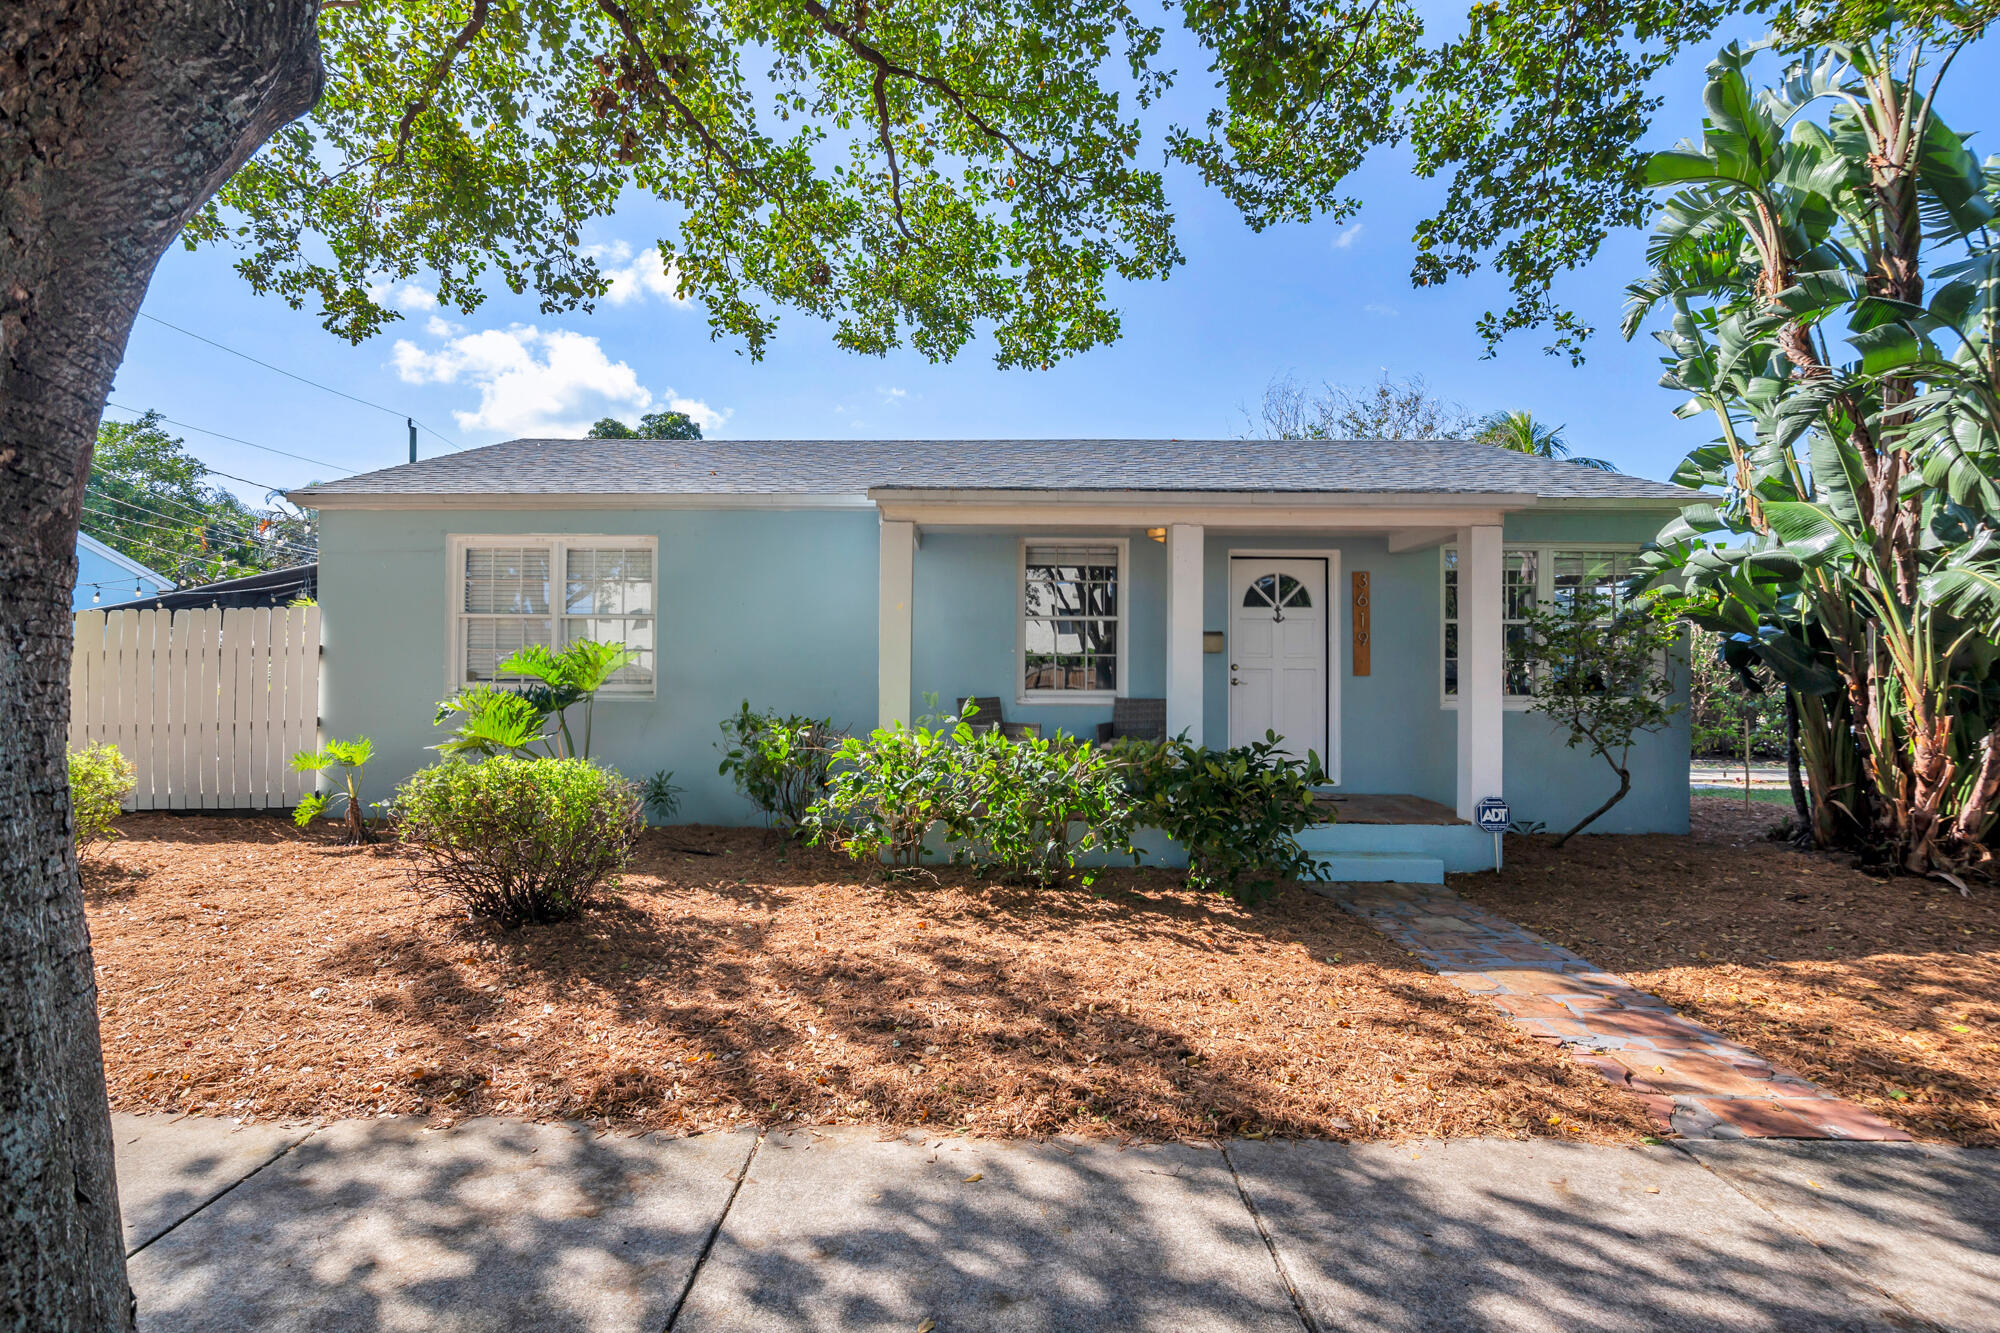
pixel 1550 573
pixel 1072 607
pixel 509 592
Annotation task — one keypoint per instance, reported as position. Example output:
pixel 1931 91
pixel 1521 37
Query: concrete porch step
pixel 1381 867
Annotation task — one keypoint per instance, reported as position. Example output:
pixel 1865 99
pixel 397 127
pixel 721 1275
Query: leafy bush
pixel 100 778
pixel 1237 812
pixel 519 840
pixel 1033 805
pixel 887 788
pixel 780 761
pixel 348 757
pixel 514 720
pixel 1030 807
pixel 1720 703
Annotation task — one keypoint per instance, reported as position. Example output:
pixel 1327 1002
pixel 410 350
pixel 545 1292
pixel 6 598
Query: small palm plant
pixel 348 757
pixel 493 720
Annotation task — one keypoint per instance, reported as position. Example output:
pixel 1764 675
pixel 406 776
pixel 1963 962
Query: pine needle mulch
pixel 250 971
pixel 1883 990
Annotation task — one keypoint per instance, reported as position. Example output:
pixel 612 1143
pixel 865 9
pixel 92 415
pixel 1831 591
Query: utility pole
pixel 413 437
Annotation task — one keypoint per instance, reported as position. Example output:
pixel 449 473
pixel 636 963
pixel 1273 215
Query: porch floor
pixel 1387 808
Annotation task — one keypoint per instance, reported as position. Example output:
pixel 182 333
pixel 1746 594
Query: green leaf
pixel 1809 531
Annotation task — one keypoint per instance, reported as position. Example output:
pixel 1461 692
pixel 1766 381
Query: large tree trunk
pixel 118 119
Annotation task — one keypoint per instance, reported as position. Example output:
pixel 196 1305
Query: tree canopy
pixel 146 499
pixel 914 174
pixel 652 426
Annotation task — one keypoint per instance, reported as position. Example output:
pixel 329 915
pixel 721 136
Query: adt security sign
pixel 1493 815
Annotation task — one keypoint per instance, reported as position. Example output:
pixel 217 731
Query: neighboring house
pixel 103 576
pixel 860 580
pixel 272 587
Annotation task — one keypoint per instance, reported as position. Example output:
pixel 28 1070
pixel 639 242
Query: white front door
pixel 1279 624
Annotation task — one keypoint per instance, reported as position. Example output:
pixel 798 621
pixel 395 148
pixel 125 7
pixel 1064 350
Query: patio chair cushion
pixel 1141 719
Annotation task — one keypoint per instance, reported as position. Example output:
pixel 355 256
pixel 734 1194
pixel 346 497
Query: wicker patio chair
pixel 1141 719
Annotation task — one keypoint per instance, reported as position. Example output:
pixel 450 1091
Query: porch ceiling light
pixel 1157 534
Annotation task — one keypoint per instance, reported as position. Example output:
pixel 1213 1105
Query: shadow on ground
pixel 498 1224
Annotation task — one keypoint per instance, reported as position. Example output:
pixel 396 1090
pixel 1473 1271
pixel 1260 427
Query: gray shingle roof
pixel 854 467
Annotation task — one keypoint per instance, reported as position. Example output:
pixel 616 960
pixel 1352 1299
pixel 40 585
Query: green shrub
pixel 348 757
pixel 519 840
pixel 887 788
pixel 100 778
pixel 1237 812
pixel 780 761
pixel 1032 806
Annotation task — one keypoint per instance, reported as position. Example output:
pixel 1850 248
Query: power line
pixel 269 488
pixel 224 531
pixel 194 511
pixel 324 388
pixel 203 430
pixel 284 547
pixel 248 526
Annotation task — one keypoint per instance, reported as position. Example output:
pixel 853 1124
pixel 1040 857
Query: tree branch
pixel 421 103
pixel 883 65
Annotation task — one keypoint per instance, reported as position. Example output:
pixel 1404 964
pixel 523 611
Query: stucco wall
pixel 780 608
pixel 775 607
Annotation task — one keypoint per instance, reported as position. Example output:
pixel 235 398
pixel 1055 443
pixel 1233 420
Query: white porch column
pixel 892 668
pixel 1184 614
pixel 1481 691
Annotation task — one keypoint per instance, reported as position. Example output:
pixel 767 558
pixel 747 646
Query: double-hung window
pixel 1072 635
pixel 1548 574
pixel 509 592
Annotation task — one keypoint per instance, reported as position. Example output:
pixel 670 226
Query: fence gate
pixel 209 705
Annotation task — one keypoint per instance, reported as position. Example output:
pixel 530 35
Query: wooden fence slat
pixel 179 666
pixel 163 652
pixel 128 689
pixel 211 711
pixel 283 781
pixel 309 660
pixel 140 678
pixel 298 714
pixel 89 629
pixel 263 776
pixel 236 704
pixel 97 680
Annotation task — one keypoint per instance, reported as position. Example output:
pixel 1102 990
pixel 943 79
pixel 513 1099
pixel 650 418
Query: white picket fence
pixel 209 705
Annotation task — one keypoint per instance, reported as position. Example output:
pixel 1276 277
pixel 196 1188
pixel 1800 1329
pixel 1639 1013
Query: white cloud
pixel 404 296
pixel 535 383
pixel 891 395
pixel 634 277
pixel 1347 236
pixel 1377 308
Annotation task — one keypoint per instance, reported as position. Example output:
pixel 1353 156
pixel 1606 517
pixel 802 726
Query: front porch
pixel 1179 592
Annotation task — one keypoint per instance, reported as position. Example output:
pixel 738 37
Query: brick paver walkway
pixel 1695 1081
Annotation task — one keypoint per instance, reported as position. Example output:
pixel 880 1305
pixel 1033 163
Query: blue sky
pixel 1320 301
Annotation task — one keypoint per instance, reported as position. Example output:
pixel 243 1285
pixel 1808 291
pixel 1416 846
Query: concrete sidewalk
pixel 500 1224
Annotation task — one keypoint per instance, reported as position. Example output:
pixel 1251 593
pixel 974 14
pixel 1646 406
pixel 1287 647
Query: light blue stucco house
pixel 1357 597
pixel 103 576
